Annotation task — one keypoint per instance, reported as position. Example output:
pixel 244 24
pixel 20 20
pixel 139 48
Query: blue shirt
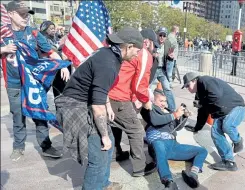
pixel 35 41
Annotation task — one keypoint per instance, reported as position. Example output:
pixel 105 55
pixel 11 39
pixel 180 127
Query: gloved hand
pixel 191 128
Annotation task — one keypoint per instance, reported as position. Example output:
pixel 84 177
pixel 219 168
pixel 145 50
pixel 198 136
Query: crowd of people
pixel 199 44
pixel 105 94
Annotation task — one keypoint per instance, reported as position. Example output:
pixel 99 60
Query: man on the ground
pixel 162 125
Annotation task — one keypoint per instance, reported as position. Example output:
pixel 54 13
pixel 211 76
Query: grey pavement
pixel 36 172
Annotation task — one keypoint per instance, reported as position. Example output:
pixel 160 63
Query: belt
pixel 118 100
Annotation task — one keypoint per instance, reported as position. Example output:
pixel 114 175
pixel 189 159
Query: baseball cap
pixel 151 35
pixel 189 77
pixel 127 35
pixel 19 6
pixel 162 30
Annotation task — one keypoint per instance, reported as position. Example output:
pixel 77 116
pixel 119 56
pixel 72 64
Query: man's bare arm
pixel 100 118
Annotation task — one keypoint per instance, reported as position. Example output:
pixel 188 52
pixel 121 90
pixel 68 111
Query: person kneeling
pixel 161 135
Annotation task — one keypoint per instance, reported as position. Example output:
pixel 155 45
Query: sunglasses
pixel 162 35
pixel 24 15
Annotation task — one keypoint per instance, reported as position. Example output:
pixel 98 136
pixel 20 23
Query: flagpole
pixel 31 21
pixel 47 10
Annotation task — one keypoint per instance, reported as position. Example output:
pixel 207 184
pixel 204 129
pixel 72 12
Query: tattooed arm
pixel 100 118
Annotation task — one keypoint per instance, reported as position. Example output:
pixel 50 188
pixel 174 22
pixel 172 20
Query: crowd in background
pixel 200 44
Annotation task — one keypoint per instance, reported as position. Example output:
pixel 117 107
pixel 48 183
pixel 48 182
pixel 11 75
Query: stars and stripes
pixel 89 28
pixel 4 16
pixel 5 20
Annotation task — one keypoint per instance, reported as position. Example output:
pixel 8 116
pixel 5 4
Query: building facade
pixel 229 14
pixel 60 12
pixel 196 7
pixel 213 10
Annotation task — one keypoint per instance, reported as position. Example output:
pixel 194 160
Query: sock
pixel 195 170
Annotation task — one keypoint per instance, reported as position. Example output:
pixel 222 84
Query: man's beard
pixel 150 50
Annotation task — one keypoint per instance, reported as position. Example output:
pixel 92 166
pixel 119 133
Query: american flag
pixel 4 16
pixel 89 28
pixel 4 32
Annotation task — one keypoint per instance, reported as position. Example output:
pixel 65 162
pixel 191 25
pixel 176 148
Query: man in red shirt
pixel 132 85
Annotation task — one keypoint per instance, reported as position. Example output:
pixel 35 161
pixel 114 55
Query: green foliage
pixel 37 20
pixel 145 15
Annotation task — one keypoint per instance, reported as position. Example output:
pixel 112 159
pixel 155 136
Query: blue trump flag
pixel 37 76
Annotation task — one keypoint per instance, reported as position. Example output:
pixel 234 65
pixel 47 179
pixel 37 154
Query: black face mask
pixel 116 49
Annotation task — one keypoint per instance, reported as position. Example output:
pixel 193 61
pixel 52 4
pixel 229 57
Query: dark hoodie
pixel 161 121
pixel 216 98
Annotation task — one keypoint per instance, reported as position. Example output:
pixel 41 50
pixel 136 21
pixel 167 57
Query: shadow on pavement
pixel 64 167
pixel 203 138
pixel 4 177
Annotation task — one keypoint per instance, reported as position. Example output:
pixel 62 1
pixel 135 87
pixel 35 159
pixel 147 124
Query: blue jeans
pixel 19 123
pixel 171 150
pixel 98 169
pixel 227 125
pixel 161 77
pixel 169 69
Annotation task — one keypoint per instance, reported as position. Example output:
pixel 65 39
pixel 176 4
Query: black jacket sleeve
pixel 153 69
pixel 202 117
pixel 156 117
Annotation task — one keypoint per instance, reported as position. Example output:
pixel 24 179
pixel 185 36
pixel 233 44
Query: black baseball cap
pixel 19 6
pixel 188 77
pixel 127 35
pixel 151 35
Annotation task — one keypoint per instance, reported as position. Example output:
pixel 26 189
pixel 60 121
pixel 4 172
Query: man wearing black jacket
pixel 162 125
pixel 83 107
pixel 227 108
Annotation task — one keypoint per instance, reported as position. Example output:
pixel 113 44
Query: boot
pixel 190 178
pixel 238 146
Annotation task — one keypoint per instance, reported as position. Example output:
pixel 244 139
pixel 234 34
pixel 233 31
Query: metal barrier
pixel 216 65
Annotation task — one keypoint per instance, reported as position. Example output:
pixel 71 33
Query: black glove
pixel 191 128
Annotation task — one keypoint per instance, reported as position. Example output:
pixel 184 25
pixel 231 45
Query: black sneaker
pixel 124 155
pixel 149 169
pixel 170 185
pixel 225 166
pixel 52 152
pixel 190 179
pixel 238 146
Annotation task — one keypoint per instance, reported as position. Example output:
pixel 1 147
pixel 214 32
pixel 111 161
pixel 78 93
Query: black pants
pixel 234 63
